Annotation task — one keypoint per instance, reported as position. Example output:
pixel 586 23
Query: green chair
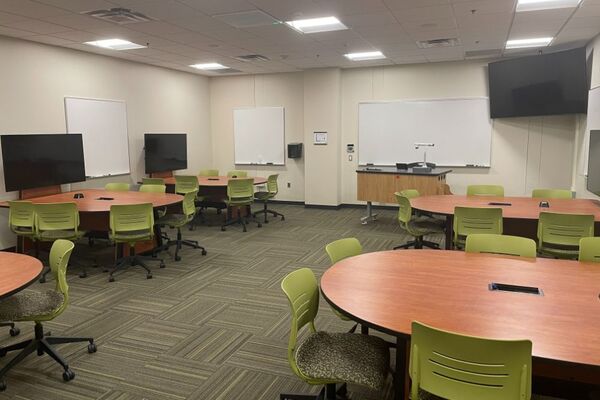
pixel 240 193
pixel 54 221
pixel 117 187
pixel 131 224
pixel 178 221
pixel 485 190
pixel 459 367
pixel 552 194
pixel 237 174
pixel 39 307
pixel 559 234
pixel 500 244
pixel 410 193
pixel 418 228
pixel 469 220
pixel 208 172
pixel 589 249
pixel 153 188
pixel 21 222
pixel 153 181
pixel 413 193
pixel 325 358
pixel 271 192
pixel 185 184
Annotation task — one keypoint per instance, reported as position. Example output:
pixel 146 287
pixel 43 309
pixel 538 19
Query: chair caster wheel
pixel 223 229
pixel 260 225
pixel 148 276
pixel 92 348
pixel 42 280
pixel 2 353
pixel 68 375
pixel 2 386
pixel 177 258
pixel 162 264
pixel 111 278
pixel 14 331
pixel 266 222
pixel 282 218
pixel 204 252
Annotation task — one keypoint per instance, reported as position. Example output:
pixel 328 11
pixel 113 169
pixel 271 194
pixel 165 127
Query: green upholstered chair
pixel 185 184
pixel 153 188
pixel 410 193
pixel 414 193
pixel 485 190
pixel 240 194
pixel 559 234
pixel 178 221
pixel 418 228
pixel 236 173
pixel 500 244
pixel 325 358
pixel 208 172
pixel 131 224
pixel 552 194
pixel 153 181
pixel 39 307
pixel 459 367
pixel 468 220
pixel 21 222
pixel 54 221
pixel 589 249
pixel 117 187
pixel 265 196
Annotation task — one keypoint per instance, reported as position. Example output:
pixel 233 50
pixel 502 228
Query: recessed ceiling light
pixel 369 55
pixel 115 44
pixel 314 25
pixel 535 5
pixel 209 66
pixel 524 43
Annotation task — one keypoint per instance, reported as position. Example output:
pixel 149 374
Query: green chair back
pixel 185 184
pixel 240 190
pixel 272 186
pixel 21 217
pixel 117 187
pixel 131 223
pixel 500 244
pixel 458 367
pixel 468 220
pixel 410 193
pixel 589 249
pixel 189 205
pixel 485 190
pixel 559 234
pixel 302 292
pixel 56 217
pixel 237 174
pixel 153 188
pixel 552 194
pixel 208 172
pixel 343 248
pixel 404 209
pixel 153 181
pixel 60 253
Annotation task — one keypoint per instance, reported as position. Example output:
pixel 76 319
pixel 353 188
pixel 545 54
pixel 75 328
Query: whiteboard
pixel 259 135
pixel 593 123
pixel 103 124
pixel 461 130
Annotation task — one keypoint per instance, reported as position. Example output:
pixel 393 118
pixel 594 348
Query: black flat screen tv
pixel 165 151
pixel 548 84
pixel 593 173
pixel 32 161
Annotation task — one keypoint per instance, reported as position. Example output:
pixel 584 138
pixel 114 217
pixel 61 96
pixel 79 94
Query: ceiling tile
pixel 423 13
pixel 39 27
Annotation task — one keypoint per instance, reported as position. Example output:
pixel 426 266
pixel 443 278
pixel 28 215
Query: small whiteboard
pixel 103 124
pixel 259 135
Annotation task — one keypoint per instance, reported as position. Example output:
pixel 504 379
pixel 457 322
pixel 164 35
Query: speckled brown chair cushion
pixel 24 305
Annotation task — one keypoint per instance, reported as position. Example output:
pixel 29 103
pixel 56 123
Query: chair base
pixel 418 243
pixel 239 220
pixel 178 243
pixel 42 344
pixel 133 260
pixel 327 393
pixel 14 331
pixel 266 211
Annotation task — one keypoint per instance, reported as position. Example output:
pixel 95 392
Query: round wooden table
pixel 449 290
pixel 17 271
pixel 520 217
pixel 216 181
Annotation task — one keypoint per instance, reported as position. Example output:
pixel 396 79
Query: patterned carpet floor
pixel 207 327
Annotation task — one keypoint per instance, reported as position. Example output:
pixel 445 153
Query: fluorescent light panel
pixel 116 44
pixel 368 55
pixel 525 43
pixel 314 25
pixel 536 5
pixel 209 66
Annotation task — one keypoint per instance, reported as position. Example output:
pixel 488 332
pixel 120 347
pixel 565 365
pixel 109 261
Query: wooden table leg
pixel 449 231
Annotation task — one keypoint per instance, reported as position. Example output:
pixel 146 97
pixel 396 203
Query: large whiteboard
pixel 103 124
pixel 461 130
pixel 259 135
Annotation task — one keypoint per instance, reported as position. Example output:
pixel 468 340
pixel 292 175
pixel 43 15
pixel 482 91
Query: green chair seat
pixel 130 236
pixel 353 358
pixel 174 220
pixel 422 227
pixel 418 227
pixel 25 306
pixel 48 236
pixel 23 230
pixel 263 196
pixel 239 201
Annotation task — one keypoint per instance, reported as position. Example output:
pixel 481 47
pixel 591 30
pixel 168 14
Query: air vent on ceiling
pixel 252 57
pixel 247 19
pixel 475 54
pixel 226 71
pixel 119 16
pixel 428 44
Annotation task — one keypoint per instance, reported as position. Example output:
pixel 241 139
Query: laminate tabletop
pixel 217 181
pixel 17 271
pixel 450 290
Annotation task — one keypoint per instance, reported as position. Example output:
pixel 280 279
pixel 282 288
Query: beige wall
pixel 35 78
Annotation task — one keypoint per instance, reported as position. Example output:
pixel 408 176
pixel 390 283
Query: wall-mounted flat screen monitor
pixel 593 174
pixel 165 152
pixel 32 161
pixel 548 84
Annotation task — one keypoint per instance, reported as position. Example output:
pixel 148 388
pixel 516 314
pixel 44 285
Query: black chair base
pixel 327 393
pixel 74 261
pixel 131 261
pixel 266 211
pixel 14 331
pixel 418 243
pixel 239 220
pixel 179 243
pixel 42 344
